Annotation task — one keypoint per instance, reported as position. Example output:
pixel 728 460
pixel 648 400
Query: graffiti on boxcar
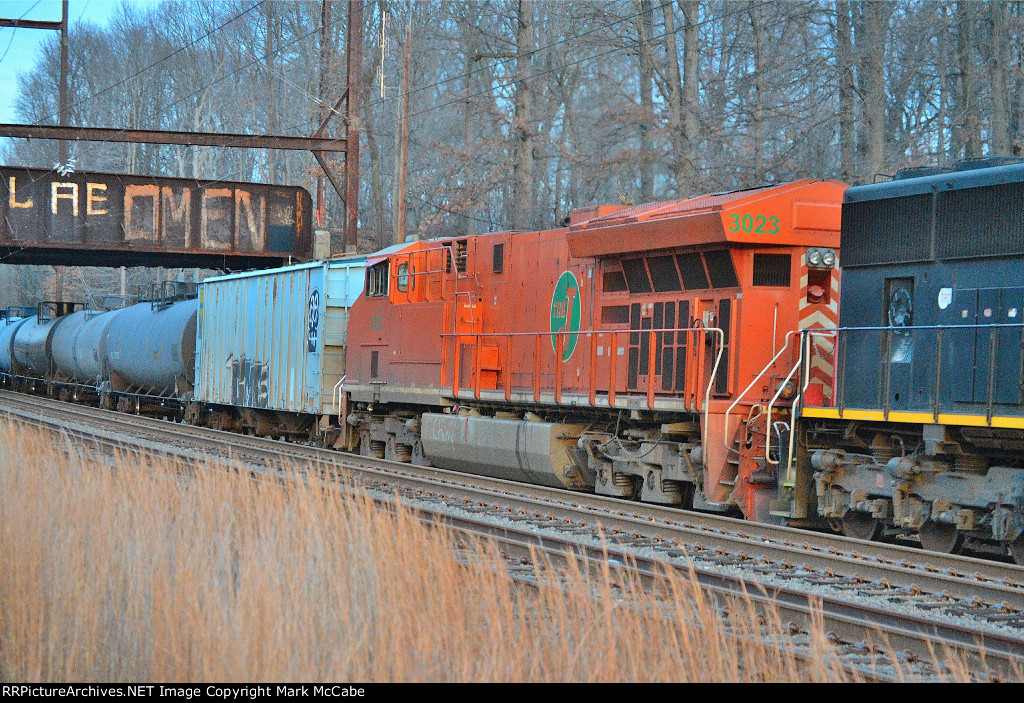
pixel 313 333
pixel 250 383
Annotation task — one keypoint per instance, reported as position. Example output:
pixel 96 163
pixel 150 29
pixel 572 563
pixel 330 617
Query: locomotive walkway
pixel 873 597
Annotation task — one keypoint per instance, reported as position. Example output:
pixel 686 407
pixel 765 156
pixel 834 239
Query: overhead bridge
pixel 106 219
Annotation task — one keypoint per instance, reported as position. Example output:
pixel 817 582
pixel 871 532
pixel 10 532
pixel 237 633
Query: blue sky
pixel 19 48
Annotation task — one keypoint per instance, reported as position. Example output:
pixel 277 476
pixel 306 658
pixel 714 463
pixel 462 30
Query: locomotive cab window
pixel 403 278
pixel 377 280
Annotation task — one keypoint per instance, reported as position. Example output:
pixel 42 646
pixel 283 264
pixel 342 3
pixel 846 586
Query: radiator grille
pixel 663 273
pixel 615 315
pixel 887 231
pixel 985 221
pixel 771 270
pixel 720 268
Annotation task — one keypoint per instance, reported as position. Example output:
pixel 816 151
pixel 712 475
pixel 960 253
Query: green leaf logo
pixel 565 313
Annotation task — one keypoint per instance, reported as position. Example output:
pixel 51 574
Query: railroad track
pixel 888 596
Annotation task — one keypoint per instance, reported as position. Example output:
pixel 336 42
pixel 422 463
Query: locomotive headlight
pixel 814 257
pixel 829 258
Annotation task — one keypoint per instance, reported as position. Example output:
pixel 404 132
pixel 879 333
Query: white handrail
pixel 771 403
pixel 746 390
pixel 336 395
pixel 807 381
pixel 711 382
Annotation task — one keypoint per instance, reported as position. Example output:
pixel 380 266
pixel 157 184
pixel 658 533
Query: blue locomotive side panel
pixel 275 340
pixel 933 309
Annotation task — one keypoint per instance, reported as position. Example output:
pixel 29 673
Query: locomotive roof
pixel 658 210
pixel 955 180
pixel 802 212
pixel 381 254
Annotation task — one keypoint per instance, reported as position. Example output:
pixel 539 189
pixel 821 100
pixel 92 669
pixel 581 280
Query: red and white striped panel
pixel 821 316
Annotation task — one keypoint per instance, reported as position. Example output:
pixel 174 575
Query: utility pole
pixel 352 99
pixel 62 146
pixel 62 101
pixel 354 51
pixel 402 167
pixel 326 59
pixel 64 88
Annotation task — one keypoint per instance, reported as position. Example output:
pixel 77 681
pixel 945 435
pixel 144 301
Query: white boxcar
pixel 275 339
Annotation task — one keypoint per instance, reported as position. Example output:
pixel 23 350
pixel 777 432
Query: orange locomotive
pixel 629 354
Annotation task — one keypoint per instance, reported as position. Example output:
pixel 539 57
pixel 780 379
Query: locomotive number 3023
pixel 754 224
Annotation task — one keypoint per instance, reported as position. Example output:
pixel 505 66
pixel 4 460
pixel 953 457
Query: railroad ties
pixel 873 598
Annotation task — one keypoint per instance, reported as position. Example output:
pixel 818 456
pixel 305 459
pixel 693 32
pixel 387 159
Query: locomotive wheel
pixel 1016 549
pixel 939 537
pixel 862 526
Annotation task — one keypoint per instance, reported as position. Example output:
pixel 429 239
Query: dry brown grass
pixel 134 572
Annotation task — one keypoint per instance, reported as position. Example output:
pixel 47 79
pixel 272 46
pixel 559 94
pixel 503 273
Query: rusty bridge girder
pixel 152 136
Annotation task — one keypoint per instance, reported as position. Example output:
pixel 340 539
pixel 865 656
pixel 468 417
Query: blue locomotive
pixel 923 431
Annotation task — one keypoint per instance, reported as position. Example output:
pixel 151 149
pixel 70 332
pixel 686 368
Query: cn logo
pixel 313 315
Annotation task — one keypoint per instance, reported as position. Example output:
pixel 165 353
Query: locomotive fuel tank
pixel 151 348
pixel 90 348
pixel 7 332
pixel 516 450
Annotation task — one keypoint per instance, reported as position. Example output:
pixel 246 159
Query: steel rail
pixel 520 551
pixel 848 622
pixel 899 566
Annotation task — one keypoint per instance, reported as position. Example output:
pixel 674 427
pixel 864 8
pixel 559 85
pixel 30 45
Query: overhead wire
pixel 527 54
pixel 159 61
pixel 532 76
pixel 110 87
pixel 264 57
pixel 224 77
pixel 14 30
